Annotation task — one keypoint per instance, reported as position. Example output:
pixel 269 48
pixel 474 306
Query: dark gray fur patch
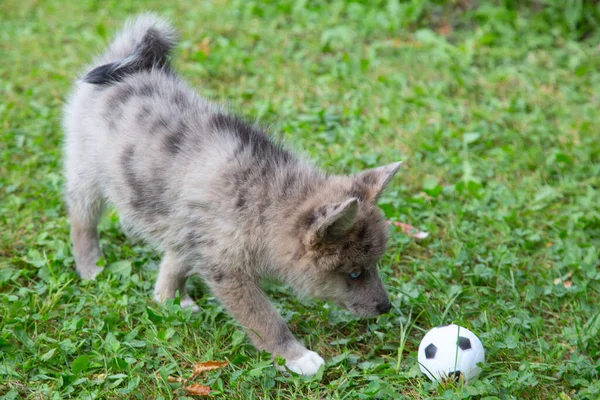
pixel 283 336
pixel 306 220
pixel 369 178
pixel 112 125
pixel 362 232
pixel 358 190
pixel 288 183
pixel 146 196
pixel 322 211
pixel 161 123
pixel 136 186
pixel 252 138
pixel 147 90
pixel 241 176
pixel 180 99
pixel 143 114
pixel 174 142
pixel 196 205
pixel 122 96
pixel 115 103
pixel 195 240
pixel 241 201
pixel 265 170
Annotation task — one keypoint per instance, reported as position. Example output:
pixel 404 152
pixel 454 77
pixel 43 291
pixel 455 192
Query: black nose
pixel 382 308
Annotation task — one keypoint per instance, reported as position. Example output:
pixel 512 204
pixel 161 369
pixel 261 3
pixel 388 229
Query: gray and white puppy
pixel 219 197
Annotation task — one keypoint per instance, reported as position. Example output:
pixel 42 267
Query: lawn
pixel 492 106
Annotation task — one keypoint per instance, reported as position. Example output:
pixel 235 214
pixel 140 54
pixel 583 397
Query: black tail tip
pixel 152 51
pixel 105 74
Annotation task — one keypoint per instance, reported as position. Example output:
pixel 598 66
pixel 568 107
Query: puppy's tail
pixel 144 44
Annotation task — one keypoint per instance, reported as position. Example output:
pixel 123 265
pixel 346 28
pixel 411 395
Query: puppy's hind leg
pixel 172 275
pixel 85 209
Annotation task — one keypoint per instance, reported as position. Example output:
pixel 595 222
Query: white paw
pixel 307 365
pixel 187 302
pixel 89 273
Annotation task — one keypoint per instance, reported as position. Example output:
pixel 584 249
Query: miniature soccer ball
pixel 450 351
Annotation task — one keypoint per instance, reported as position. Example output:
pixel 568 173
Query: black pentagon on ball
pixel 464 343
pixel 430 351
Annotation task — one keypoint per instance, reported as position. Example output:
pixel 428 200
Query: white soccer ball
pixel 450 351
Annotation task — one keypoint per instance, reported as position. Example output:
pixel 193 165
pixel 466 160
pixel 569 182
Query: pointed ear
pixel 369 184
pixel 336 219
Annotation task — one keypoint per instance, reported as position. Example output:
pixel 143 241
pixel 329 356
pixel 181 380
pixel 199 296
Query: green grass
pixel 499 126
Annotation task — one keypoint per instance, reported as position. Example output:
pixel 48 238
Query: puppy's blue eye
pixel 354 275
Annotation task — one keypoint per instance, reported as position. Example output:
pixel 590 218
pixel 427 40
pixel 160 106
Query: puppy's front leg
pixel 246 301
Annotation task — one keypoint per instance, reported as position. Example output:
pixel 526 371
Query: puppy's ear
pixel 334 220
pixel 368 185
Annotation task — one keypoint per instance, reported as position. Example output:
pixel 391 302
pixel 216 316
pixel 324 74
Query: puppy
pixel 215 194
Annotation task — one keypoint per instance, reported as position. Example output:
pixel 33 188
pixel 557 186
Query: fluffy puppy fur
pixel 215 194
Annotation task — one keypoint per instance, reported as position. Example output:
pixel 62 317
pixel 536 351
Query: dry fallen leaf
pixel 565 280
pixel 557 281
pixel 425 196
pixel 197 389
pixel 200 368
pixel 174 379
pixel 204 46
pixel 405 43
pixel 410 230
pixel 568 283
pixel 208 366
pixel 445 29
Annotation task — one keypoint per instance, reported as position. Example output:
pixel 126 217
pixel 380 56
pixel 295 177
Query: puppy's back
pixel 168 158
